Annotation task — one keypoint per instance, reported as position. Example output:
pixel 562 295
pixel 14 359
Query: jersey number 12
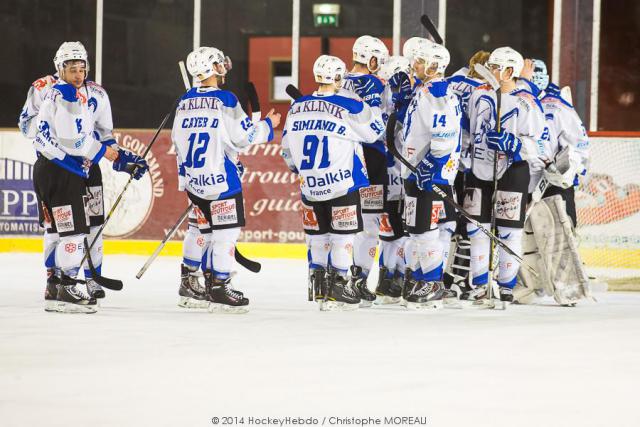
pixel 195 155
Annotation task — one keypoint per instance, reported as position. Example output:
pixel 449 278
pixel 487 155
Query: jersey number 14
pixel 310 151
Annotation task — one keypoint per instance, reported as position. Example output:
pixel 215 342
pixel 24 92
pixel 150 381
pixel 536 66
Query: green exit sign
pixel 326 14
pixel 326 20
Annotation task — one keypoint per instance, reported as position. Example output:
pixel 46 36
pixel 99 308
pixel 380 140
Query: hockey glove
pixel 131 164
pixel 401 87
pixel 366 89
pixel 424 174
pixel 504 141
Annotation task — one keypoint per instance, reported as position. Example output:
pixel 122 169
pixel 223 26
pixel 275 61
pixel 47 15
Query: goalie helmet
pixel 201 62
pixel 540 77
pixel 367 47
pixel 70 51
pixel 433 53
pixel 505 57
pixel 329 70
pixel 395 64
pixel 410 46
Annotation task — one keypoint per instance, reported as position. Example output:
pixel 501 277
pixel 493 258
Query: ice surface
pixel 142 361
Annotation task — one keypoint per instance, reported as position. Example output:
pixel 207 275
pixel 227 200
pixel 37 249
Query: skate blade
pixel 227 309
pixel 364 304
pixel 386 300
pixel 422 306
pixel 485 304
pixel 186 302
pixel 52 306
pixel 64 307
pixel 337 306
pixel 452 303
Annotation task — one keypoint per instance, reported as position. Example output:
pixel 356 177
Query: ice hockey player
pixel 209 129
pixel 73 134
pixel 551 221
pixel 398 91
pixel 519 144
pixel 432 144
pixel 322 143
pixel 462 83
pixel 369 54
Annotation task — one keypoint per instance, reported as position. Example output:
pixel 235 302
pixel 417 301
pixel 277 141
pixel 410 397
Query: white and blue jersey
pixel 209 128
pixel 321 142
pixel 432 131
pixel 74 125
pixel 567 129
pixel 373 88
pixel 462 86
pixel 521 114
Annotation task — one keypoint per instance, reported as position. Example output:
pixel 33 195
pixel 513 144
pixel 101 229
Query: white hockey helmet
pixel 367 47
pixel 201 62
pixel 431 54
pixel 505 57
pixel 70 51
pixel 329 70
pixel 395 64
pixel 410 46
pixel 540 77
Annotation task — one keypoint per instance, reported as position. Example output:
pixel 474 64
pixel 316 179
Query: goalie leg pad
pixel 560 269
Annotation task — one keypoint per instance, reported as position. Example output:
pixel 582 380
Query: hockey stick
pixel 119 198
pixel 254 102
pixel 431 29
pixel 293 92
pixel 250 265
pixel 105 282
pixel 167 237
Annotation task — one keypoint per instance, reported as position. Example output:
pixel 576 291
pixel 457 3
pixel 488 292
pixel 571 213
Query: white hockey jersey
pixel 374 99
pixel 566 130
pixel 209 128
pixel 521 114
pixel 432 130
pixel 73 123
pixel 321 142
pixel 462 86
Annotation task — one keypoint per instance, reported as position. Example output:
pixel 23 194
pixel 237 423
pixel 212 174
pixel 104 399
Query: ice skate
pixel 407 286
pixel 341 295
pixel 73 297
pixel 360 283
pixel 94 289
pixel 478 298
pixel 51 302
pixel 450 298
pixel 506 294
pixel 222 297
pixel 192 293
pixel 317 284
pixel 388 290
pixel 426 295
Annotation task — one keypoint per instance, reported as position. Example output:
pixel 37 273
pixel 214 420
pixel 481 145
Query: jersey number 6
pixel 195 157
pixel 310 150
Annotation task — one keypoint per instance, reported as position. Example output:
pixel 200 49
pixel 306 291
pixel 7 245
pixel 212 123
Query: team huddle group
pixel 485 147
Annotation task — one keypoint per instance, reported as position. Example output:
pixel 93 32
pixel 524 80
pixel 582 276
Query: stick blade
pixel 431 29
pixel 250 265
pixel 293 92
pixel 487 75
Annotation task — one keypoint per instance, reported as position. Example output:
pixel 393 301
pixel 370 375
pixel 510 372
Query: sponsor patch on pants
pixel 344 218
pixel 63 218
pixel 309 219
pixel 437 212
pixel 410 210
pixel 473 201
pixel 201 220
pixel 95 206
pixel 224 212
pixel 508 205
pixel 372 197
pixel 386 230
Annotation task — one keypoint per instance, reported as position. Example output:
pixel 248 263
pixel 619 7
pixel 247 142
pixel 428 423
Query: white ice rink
pixel 142 361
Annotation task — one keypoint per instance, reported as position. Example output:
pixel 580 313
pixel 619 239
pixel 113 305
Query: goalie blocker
pixel 549 244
